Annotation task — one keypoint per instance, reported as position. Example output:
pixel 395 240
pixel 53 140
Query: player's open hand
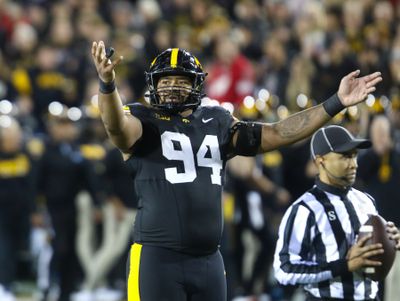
pixel 360 253
pixel 104 65
pixel 394 233
pixel 354 89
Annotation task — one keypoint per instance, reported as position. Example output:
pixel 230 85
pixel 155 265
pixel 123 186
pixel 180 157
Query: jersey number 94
pixel 184 152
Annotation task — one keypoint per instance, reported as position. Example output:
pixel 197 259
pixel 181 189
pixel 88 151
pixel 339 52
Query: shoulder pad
pixel 217 109
pixel 137 109
pixel 216 112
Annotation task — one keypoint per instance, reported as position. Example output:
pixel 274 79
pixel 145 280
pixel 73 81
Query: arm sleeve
pixel 294 261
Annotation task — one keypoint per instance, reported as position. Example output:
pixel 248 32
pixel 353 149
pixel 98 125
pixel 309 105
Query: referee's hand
pixel 359 254
pixel 394 233
pixel 104 65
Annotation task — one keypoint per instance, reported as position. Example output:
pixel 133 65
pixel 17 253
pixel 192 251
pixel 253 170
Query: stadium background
pixel 265 59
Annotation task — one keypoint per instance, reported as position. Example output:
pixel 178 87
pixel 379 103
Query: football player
pixel 178 150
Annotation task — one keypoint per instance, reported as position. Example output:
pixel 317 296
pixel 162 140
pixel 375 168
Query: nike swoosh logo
pixel 206 120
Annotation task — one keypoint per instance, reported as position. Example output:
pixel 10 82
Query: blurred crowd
pixel 67 204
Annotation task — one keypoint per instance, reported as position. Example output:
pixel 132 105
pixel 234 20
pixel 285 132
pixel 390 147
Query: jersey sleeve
pixel 138 110
pixel 146 141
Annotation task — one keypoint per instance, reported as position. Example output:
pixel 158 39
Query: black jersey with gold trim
pixel 179 167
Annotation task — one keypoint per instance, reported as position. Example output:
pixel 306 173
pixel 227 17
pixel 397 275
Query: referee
pixel 317 237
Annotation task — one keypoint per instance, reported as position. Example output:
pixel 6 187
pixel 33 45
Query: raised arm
pixel 352 90
pixel 123 130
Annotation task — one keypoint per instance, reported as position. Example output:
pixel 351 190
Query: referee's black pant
pixel 159 274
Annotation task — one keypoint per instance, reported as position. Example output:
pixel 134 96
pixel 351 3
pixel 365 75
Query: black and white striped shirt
pixel 314 236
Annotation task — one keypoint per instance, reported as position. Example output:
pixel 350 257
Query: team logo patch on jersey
pixel 184 120
pixel 162 117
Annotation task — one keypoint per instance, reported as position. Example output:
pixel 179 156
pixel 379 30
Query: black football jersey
pixel 179 172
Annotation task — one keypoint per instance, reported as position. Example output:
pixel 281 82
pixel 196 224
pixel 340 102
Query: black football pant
pixel 159 274
pixel 64 265
pixel 14 237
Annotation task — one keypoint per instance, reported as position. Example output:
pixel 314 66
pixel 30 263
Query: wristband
pixel 106 88
pixel 333 105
